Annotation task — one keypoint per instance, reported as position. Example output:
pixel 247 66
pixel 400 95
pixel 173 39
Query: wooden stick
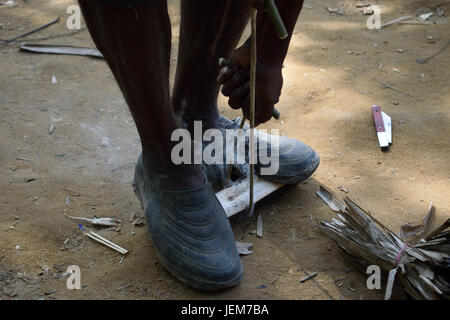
pixel 282 34
pixel 31 31
pixel 310 276
pixel 110 244
pixel 396 21
pixel 387 85
pixel 96 237
pixel 252 111
pixel 230 166
pixel 425 60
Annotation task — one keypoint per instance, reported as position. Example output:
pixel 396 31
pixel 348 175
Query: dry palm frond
pixel 423 265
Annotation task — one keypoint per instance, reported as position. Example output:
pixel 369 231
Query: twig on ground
pixel 425 60
pixel 310 276
pixel 30 32
pixel 59 35
pixel 387 85
pixel 396 21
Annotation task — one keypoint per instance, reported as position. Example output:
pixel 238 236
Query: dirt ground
pixel 329 88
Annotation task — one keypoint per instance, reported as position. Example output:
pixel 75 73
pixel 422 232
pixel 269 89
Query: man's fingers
pixel 262 117
pixel 263 112
pixel 238 79
pixel 224 75
pixel 238 95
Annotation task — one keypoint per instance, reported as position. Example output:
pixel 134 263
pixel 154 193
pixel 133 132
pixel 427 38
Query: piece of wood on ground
pixel 259 226
pixel 310 276
pixel 396 21
pixel 234 199
pixel 243 248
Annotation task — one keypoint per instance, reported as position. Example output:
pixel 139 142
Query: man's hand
pixel 236 85
pixel 271 52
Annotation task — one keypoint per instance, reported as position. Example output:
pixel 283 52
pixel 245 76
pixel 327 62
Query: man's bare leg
pixel 212 29
pixel 135 41
pixel 209 30
pixel 190 231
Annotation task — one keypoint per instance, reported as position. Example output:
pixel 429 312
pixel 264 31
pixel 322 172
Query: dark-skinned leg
pixel 209 30
pixel 189 229
pixel 135 41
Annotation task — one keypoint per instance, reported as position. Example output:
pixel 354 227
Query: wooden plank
pixel 235 198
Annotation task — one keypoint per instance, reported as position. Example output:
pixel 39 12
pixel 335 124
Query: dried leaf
pixel 425 265
pixel 330 199
pixel 418 230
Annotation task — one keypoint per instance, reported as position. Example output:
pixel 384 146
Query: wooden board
pixel 235 199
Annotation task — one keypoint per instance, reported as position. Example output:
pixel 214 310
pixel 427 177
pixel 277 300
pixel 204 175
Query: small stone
pixel 104 142
pixel 357 177
pixel 18 247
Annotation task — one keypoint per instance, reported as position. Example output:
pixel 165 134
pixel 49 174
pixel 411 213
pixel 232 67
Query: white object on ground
pixel 425 16
pixel 235 198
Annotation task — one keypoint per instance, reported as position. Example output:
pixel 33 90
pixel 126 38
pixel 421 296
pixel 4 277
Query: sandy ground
pixel 329 87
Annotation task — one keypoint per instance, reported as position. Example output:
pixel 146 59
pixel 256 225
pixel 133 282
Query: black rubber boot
pixel 297 161
pixel 190 232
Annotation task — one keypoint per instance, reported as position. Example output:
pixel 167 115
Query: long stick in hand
pixel 251 206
